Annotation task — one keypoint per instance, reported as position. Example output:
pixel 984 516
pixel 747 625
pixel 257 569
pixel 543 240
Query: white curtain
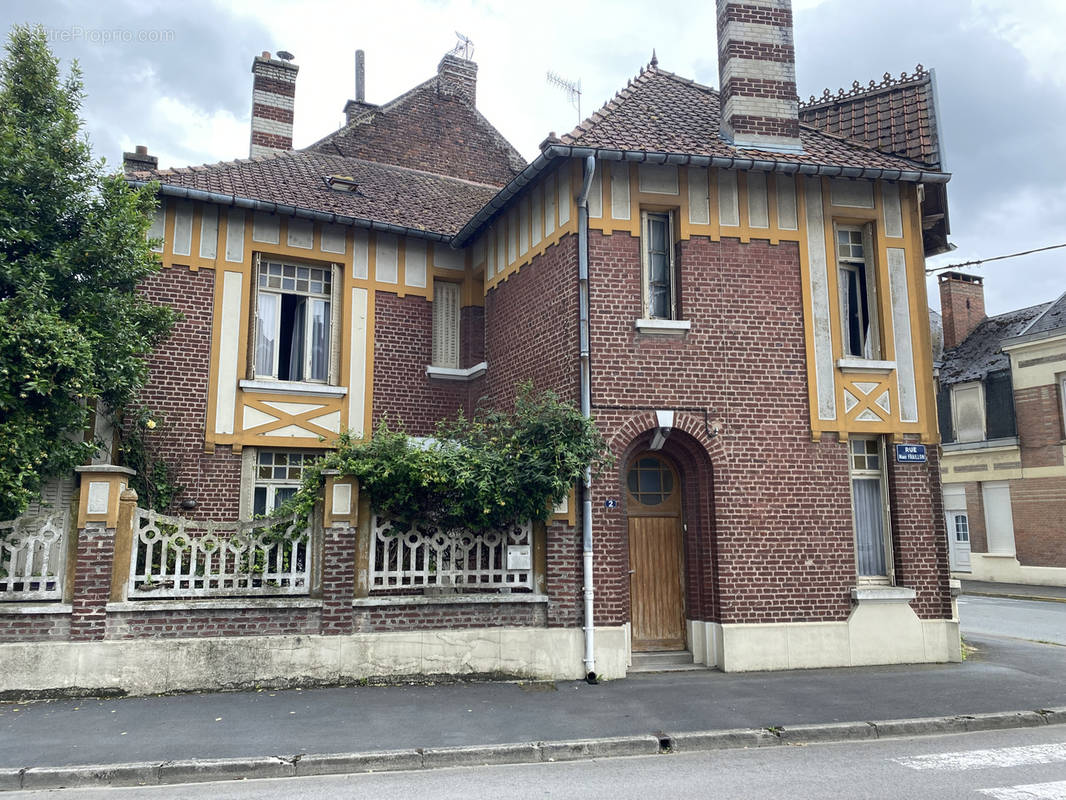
pixel 869 526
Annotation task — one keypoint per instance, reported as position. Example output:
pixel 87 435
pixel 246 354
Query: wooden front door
pixel 656 568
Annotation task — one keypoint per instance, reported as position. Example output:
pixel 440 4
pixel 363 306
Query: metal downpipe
pixel 586 411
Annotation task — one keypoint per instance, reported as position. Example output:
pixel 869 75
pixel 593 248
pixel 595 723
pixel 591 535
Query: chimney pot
pixel 139 160
pixel 360 76
pixel 757 75
pixel 266 54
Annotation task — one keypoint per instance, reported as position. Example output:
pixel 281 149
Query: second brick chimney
pixel 139 160
pixel 757 74
pixel 273 93
pixel 962 305
pixel 456 75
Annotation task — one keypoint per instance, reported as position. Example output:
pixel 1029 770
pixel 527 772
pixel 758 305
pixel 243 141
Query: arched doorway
pixel 656 556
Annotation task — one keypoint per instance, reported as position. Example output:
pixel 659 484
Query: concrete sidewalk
pixel 271 733
pixel 1015 591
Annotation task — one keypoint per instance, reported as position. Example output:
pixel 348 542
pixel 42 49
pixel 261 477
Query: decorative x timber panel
pixel 285 417
pixel 868 398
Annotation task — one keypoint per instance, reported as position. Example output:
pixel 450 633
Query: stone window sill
pixel 219 604
pixel 866 365
pixel 1006 443
pixel 302 388
pixel 446 600
pixel 882 594
pixel 35 608
pixel 663 327
pixel 450 374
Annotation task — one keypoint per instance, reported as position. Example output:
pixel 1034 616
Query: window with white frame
pixel 960 526
pixel 968 411
pixel 870 508
pixel 657 265
pixel 1062 402
pixel 857 281
pixel 294 321
pixel 445 324
pixel 278 474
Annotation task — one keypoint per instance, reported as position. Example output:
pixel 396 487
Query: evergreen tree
pixel 73 328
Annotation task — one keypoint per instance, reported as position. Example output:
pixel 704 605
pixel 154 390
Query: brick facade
pixel 178 388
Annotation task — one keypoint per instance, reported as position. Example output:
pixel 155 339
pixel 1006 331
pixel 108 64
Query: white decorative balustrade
pixel 33 557
pixel 424 556
pixel 182 558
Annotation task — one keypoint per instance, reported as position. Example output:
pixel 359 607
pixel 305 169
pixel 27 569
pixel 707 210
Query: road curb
pixel 1040 598
pixel 200 770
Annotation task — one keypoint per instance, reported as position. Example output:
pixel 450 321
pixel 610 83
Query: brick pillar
pixel 340 532
pixel 98 521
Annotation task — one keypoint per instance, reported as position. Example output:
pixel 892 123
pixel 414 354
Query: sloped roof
pixel 982 351
pixel 1052 320
pixel 432 129
pixel 385 193
pixel 895 115
pixel 662 112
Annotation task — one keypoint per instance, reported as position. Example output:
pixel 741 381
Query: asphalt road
pixel 1034 620
pixel 1027 764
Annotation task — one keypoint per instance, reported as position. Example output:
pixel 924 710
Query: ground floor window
pixel 278 474
pixel 870 508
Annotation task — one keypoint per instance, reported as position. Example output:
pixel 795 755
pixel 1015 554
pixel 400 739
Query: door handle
pixel 632 571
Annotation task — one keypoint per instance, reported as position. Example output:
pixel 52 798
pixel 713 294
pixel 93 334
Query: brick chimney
pixel 358 106
pixel 962 305
pixel 456 75
pixel 757 74
pixel 139 160
pixel 273 92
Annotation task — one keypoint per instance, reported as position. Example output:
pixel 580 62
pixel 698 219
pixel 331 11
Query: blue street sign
pixel 910 454
pixel 611 503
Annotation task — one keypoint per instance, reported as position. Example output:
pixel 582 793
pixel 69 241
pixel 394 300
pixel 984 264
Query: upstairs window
pixel 446 324
pixel 857 280
pixel 659 274
pixel 294 322
pixel 968 412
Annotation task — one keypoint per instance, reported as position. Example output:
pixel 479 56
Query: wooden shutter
pixel 999 405
pixel 335 303
pixel 253 323
pixel 943 413
pixel 874 347
pixel 445 324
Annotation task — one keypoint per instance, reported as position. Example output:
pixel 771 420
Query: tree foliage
pixel 479 473
pixel 72 252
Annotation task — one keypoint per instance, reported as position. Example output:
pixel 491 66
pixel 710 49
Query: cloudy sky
pixel 176 77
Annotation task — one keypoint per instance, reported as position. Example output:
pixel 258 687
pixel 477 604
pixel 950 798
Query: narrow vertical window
pixel 869 508
pixel 445 324
pixel 278 474
pixel 657 255
pixel 857 281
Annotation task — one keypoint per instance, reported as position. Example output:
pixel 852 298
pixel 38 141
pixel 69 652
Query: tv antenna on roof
pixel 572 89
pixel 464 48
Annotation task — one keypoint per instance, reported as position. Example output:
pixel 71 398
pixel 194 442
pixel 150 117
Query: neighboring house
pixel 1002 388
pixel 737 297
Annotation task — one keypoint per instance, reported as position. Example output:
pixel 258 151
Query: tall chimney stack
pixel 962 305
pixel 757 75
pixel 273 93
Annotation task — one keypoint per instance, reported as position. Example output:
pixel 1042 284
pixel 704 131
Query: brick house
pixel 1001 390
pixel 731 285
